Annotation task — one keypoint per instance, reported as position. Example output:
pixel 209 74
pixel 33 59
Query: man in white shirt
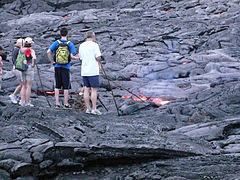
pixel 89 53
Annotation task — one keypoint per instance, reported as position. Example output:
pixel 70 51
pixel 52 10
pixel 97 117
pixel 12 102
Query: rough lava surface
pixel 183 54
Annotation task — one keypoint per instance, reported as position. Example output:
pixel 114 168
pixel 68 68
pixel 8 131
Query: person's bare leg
pixel 23 92
pixel 86 97
pixel 57 96
pixel 18 88
pixel 28 91
pixel 66 93
pixel 94 98
pixel 0 82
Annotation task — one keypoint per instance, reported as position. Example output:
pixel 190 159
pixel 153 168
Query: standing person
pixel 1 64
pixel 28 75
pixel 90 55
pixel 19 44
pixel 64 51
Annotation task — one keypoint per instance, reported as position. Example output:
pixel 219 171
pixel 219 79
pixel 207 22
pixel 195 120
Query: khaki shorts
pixel 28 75
pixel 17 73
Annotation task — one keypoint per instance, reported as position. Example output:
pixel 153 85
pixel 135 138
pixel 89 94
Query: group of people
pixel 89 55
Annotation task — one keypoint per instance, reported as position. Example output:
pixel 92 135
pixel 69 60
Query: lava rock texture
pixel 183 52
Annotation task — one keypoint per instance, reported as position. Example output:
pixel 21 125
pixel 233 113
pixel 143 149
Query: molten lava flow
pixel 133 76
pixel 50 93
pixel 141 98
pixel 157 101
pixel 126 97
pixel 169 9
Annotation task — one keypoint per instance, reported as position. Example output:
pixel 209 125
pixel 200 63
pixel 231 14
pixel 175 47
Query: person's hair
pixel 90 34
pixel 1 48
pixel 63 31
pixel 27 45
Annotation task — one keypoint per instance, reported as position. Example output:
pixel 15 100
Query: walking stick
pixel 110 89
pixel 42 85
pixel 102 103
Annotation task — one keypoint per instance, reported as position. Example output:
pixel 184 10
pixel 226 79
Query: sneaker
pixel 21 104
pixel 29 104
pixel 57 106
pixel 88 111
pixel 13 99
pixel 96 112
pixel 67 106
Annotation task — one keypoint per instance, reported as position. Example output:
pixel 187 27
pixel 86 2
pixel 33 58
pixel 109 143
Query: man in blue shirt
pixel 62 74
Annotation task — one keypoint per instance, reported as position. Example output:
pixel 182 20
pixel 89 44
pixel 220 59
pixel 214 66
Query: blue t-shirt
pixel 54 47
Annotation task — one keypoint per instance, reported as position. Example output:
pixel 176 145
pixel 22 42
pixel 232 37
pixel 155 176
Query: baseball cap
pixel 29 40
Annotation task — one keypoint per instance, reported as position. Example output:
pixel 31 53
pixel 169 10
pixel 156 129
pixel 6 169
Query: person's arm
pixel 98 56
pixel 34 58
pixel 49 54
pixel 73 51
pixel 76 57
pixel 99 62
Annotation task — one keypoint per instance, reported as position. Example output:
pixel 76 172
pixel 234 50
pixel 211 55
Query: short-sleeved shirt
pixel 88 52
pixel 72 50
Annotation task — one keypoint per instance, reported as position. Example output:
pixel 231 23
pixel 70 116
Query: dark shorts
pixel 62 78
pixel 91 81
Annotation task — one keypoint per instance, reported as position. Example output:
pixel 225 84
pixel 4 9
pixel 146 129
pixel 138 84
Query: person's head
pixel 90 35
pixel 20 42
pixel 28 42
pixel 63 32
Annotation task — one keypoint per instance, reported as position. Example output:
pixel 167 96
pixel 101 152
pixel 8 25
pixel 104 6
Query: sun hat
pixel 29 40
pixel 19 42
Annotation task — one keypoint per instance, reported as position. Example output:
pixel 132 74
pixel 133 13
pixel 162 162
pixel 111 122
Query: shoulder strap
pixel 60 42
pixel 68 42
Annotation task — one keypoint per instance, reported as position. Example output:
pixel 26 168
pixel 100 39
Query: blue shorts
pixel 91 81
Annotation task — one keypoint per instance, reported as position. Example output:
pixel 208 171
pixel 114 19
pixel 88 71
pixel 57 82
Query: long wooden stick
pixel 115 102
pixel 42 85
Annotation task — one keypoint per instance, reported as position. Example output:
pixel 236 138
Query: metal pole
pixel 42 85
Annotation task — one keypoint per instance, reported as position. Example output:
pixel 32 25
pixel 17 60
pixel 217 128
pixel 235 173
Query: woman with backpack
pixel 19 44
pixel 27 75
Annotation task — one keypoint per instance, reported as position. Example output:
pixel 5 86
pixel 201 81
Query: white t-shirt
pixel 88 52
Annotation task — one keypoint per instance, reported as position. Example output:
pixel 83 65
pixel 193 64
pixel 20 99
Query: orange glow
pixel 126 97
pixel 65 16
pixel 159 101
pixel 50 93
pixel 169 9
pixel 185 62
pixel 142 98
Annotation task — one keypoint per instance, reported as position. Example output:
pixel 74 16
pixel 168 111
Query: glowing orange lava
pixel 158 101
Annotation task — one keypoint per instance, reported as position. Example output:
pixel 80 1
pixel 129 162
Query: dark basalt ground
pixel 183 51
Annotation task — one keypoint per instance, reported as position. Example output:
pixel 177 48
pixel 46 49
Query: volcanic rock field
pixel 174 71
